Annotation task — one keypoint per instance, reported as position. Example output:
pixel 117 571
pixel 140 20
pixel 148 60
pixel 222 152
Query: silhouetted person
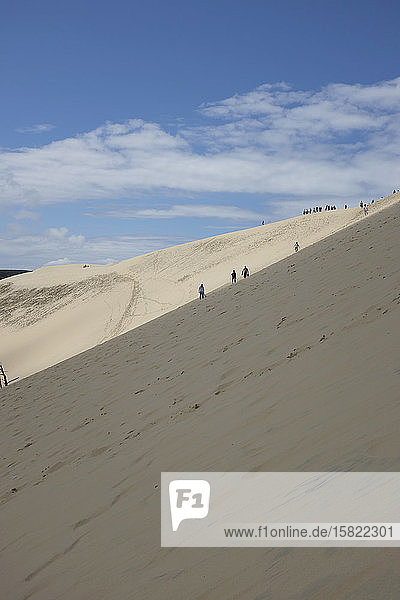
pixel 201 291
pixel 296 247
pixel 245 272
pixel 233 275
pixel 361 204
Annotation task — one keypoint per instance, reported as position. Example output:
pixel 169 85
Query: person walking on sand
pixel 365 209
pixel 233 275
pixel 201 291
pixel 296 247
pixel 245 272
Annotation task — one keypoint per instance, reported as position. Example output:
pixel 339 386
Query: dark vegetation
pixel 10 272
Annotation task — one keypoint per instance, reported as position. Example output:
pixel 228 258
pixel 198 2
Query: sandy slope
pixel 99 303
pixel 297 368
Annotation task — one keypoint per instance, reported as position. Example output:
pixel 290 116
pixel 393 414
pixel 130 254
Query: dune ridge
pixel 96 304
pixel 296 368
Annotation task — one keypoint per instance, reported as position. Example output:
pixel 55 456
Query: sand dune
pixel 294 369
pixel 96 304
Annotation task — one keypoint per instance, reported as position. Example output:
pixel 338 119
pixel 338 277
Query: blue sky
pixel 130 126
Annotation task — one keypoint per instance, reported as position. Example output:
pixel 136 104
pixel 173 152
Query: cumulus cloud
pixel 275 140
pixel 40 128
pixel 57 232
pixel 280 99
pixel 290 147
pixel 267 99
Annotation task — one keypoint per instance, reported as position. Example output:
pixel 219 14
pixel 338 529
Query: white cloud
pixel 229 213
pixel 342 140
pixel 267 99
pixel 280 98
pixel 30 251
pixel 26 215
pixel 40 128
pixel 76 240
pixel 297 148
pixel 57 232
pixel 60 261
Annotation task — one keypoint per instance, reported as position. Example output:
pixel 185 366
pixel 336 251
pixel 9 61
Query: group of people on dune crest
pixel 246 272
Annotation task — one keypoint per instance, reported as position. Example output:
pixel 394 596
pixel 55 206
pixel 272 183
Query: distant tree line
pixel 10 272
